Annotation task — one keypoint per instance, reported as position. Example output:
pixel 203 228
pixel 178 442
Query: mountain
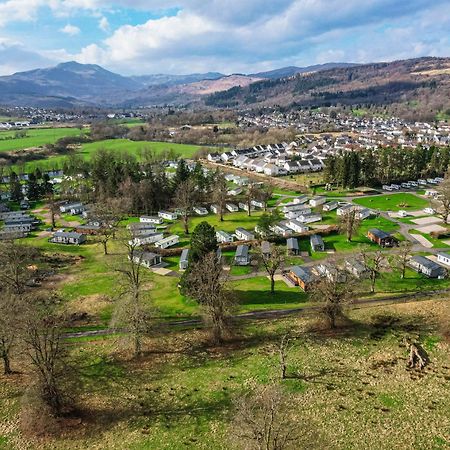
pixel 416 87
pixel 174 80
pixel 69 83
pixel 290 71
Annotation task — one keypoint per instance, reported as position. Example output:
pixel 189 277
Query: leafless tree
pixel 272 262
pixel 206 283
pixel 284 348
pixel 265 194
pixel 53 208
pixel 108 213
pixel 374 261
pixel 265 420
pixel 402 257
pixel 15 265
pixel 251 193
pixel 333 295
pixel 349 223
pixel 131 313
pixel 11 316
pixel 42 335
pixel 185 197
pixel 220 193
pixel 442 202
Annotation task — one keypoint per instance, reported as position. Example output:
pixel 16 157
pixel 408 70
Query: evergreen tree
pixel 33 191
pixel 203 241
pixel 15 189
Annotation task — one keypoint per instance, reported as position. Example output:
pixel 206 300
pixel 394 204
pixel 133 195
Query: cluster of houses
pixel 418 184
pixel 16 224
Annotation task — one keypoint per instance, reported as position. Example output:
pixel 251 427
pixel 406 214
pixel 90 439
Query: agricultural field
pixel 35 137
pixel 393 202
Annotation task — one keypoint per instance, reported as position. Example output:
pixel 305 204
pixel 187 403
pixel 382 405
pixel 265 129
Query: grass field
pixel 349 389
pixel 393 202
pixel 35 138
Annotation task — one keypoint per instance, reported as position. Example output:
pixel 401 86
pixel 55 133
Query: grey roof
pixel 303 273
pixel 315 239
pixel 444 254
pixel 68 234
pixel 380 234
pixel 292 244
pixel 425 262
pixel 242 251
pixel 184 255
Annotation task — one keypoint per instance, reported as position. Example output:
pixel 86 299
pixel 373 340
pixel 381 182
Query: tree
pixel 33 190
pixel 15 265
pixel 186 195
pixel 203 241
pixel 11 314
pixel 374 263
pixel 44 346
pixel 284 348
pixel 333 295
pixel 220 193
pixel 267 221
pixel 109 214
pixel 402 257
pixel 131 312
pixel 265 420
pixel 272 262
pixel 207 285
pixel 265 194
pixel 442 202
pixel 15 188
pixel 251 193
pixel 349 223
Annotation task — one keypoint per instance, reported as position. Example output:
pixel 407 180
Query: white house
pixel 317 201
pixel 232 207
pixel 330 206
pixel 143 239
pixel 344 209
pixel 363 213
pixel 301 199
pixel 168 241
pixel 151 219
pixel 443 258
pixel 244 207
pixel 200 210
pixel 184 259
pixel 298 213
pixel 257 203
pixel 168 215
pixel 244 235
pixel 223 237
pixel 215 209
pixel 271 170
pixel 281 229
pixel 309 218
pixel 147 259
pixel 297 226
pixel 234 192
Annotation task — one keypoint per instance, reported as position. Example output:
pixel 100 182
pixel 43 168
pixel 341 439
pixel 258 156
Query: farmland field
pixel 393 202
pixel 34 138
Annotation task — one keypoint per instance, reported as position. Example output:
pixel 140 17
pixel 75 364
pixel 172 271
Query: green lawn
pixel 35 138
pixel 393 202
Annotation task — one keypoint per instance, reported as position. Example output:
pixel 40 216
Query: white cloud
pixel 103 24
pixel 71 30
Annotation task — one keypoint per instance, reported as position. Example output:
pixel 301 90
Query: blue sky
pixel 185 36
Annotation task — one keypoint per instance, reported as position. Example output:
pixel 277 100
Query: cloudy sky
pixel 185 36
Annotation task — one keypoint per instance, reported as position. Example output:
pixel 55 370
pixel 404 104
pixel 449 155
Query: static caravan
pixel 232 207
pixel 69 238
pixel 223 237
pixel 317 201
pixel 244 235
pixel 184 259
pixel 317 244
pixel 168 242
pixel 151 219
pixel 292 246
pixel 168 215
pixel 147 259
pixel 242 256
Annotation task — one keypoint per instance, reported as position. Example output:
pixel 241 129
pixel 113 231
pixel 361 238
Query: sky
pixel 137 37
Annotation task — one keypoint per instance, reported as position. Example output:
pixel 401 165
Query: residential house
pixel 184 259
pixel 344 209
pixel 330 272
pixel 292 246
pixel 244 207
pixel 317 201
pixel 145 239
pixel 281 229
pixel 223 237
pixel 317 244
pixel 443 258
pixel 168 215
pixel 309 218
pixel 70 238
pixel 363 213
pixel 146 259
pixel 215 209
pixel 18 228
pixel 296 226
pixel 242 256
pixel 427 267
pixel 244 235
pixel 157 220
pixel 302 199
pixel 141 226
pixel 72 208
pixel 301 276
pixel 232 207
pixel 382 238
pixel 330 206
pixel 168 242
pixel 200 210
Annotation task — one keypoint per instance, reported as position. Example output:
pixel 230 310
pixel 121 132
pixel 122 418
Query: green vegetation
pixel 393 202
pixel 37 137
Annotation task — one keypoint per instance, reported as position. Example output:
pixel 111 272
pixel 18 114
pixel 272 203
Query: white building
pixel 168 215
pixel 151 219
pixel 168 241
pixel 223 237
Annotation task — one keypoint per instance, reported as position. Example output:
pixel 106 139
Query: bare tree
pixel 374 262
pixel 442 201
pixel 284 348
pixel 15 265
pixel 272 262
pixel 402 257
pixel 11 315
pixel 251 193
pixel 53 208
pixel 220 193
pixel 333 295
pixel 265 194
pixel 43 340
pixel 185 197
pixel 131 312
pixel 265 420
pixel 206 283
pixel 109 213
pixel 349 223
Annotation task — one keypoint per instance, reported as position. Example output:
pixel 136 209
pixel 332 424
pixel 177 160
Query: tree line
pixel 385 165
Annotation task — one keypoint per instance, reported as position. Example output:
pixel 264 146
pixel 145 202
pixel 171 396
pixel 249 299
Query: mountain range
pixel 72 84
pixel 415 87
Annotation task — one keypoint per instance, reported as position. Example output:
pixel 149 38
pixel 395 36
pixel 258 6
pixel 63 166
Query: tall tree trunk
pixel 272 284
pixel 105 247
pixel 186 224
pixel 6 363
